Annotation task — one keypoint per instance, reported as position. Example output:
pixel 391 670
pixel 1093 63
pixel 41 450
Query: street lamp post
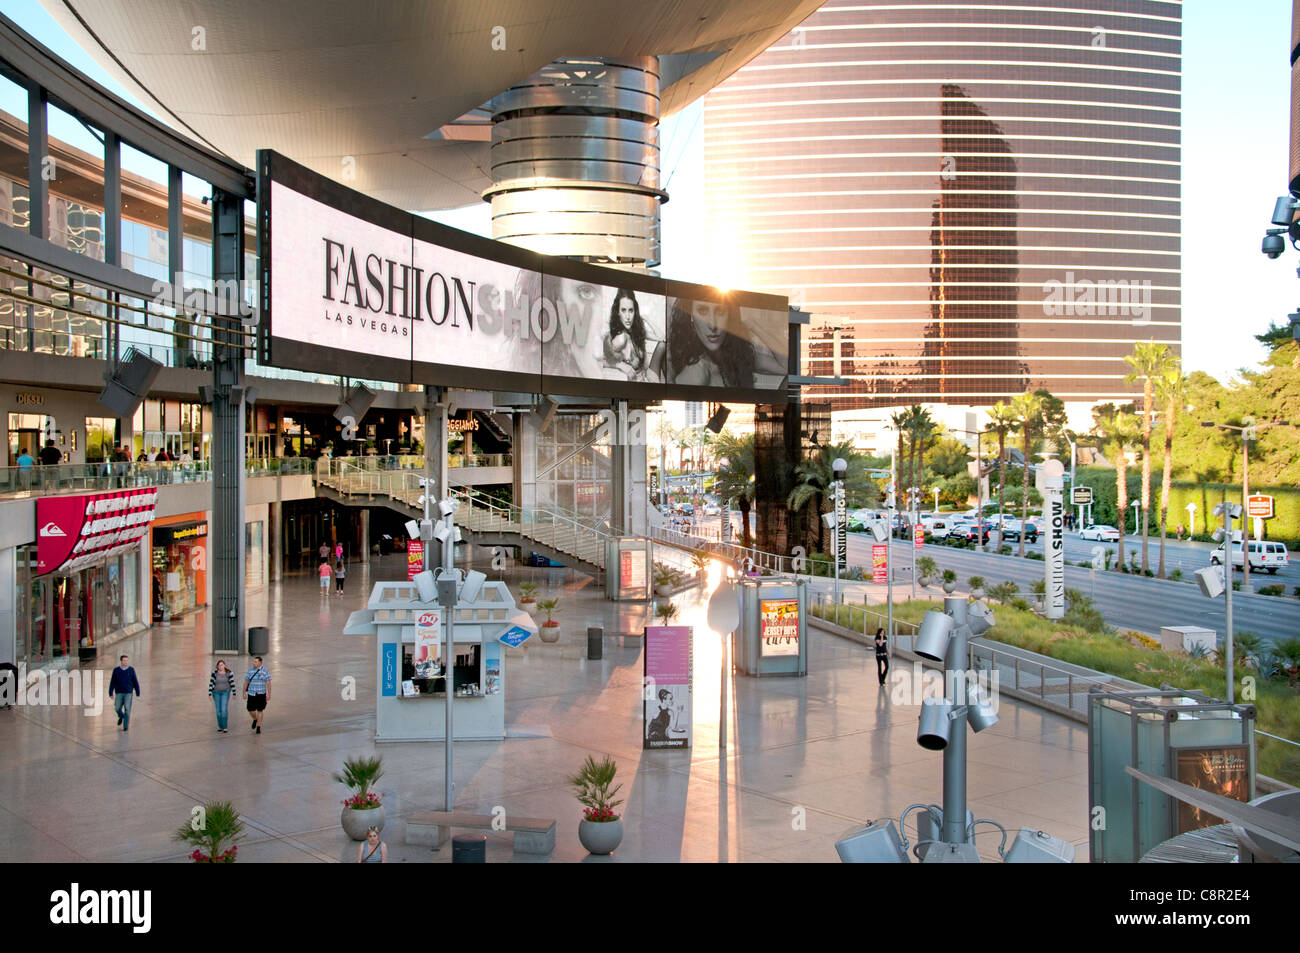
pixel 1248 431
pixel 979 486
pixel 1228 511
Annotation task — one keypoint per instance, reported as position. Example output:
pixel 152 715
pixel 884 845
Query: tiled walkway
pixel 806 759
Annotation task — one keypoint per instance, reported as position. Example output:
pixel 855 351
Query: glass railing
pixel 41 480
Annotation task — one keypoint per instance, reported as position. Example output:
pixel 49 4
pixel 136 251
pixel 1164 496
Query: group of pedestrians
pixel 124 687
pixel 339 571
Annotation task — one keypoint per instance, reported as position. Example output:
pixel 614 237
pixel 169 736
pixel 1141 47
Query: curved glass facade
pixel 974 198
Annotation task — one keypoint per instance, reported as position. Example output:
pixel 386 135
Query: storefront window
pixel 100 437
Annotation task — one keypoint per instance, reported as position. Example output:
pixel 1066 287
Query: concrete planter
pixel 600 837
pixel 356 823
pixel 548 633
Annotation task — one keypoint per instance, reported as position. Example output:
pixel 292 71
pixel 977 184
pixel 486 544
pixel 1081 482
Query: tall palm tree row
pixel 733 480
pixel 1149 361
pixel 1171 388
pixel 1121 429
pixel 899 421
pixel 921 429
pixel 1002 421
pixel 1028 410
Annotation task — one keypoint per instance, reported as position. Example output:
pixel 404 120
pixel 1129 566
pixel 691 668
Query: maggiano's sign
pixel 352 286
pixel 462 424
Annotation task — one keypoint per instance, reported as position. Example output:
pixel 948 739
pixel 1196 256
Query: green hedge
pixel 1284 526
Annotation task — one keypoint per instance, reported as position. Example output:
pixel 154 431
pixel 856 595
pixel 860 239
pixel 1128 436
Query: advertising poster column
pixel 779 619
pixel 667 701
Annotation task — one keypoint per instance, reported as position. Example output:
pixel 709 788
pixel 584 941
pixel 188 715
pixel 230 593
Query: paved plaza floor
pixel 805 759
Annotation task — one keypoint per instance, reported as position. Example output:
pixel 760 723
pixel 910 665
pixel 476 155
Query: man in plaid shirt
pixel 257 689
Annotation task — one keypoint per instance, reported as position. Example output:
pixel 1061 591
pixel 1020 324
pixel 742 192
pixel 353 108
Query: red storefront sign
pixel 414 558
pixel 878 566
pixel 73 532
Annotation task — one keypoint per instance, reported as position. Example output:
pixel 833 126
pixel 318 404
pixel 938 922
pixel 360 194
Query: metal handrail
pixel 61 478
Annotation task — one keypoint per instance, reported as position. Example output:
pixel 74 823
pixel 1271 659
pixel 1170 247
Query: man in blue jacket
pixel 122 684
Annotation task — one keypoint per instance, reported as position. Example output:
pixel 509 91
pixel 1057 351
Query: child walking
pixel 339 573
pixel 324 572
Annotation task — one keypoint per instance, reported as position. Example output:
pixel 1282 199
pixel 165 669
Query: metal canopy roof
pixel 356 90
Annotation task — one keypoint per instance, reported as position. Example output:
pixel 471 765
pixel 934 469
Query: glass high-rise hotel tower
pixel 974 198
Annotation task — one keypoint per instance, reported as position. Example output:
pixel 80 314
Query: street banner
pixel 879 569
pixel 918 536
pixel 414 559
pixel 841 533
pixel 666 704
pixel 1054 565
pixel 428 638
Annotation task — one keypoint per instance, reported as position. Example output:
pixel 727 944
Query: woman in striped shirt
pixel 220 687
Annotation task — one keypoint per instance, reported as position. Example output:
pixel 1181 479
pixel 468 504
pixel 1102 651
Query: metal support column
pixel 954 755
pixel 435 441
pixel 226 541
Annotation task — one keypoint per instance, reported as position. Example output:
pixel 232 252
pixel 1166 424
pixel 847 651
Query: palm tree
pixel 734 478
pixel 814 476
pixel 920 430
pixel 1028 408
pixel 1120 427
pixel 899 421
pixel 1002 421
pixel 1148 361
pixel 1170 387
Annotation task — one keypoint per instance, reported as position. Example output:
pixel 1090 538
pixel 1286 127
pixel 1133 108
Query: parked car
pixel 1012 531
pixel 712 509
pixel 1100 532
pixel 1263 555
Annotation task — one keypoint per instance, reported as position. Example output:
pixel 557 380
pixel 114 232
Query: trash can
pixel 259 640
pixel 595 642
pixel 469 849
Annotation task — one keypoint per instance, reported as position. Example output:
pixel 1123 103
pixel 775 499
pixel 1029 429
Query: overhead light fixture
pixel 413 529
pixel 472 586
pixel 932 639
pixel 425 585
pixel 449 506
pixel 877 843
pixel 936 724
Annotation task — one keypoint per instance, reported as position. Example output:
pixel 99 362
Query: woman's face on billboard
pixel 710 323
pixel 626 312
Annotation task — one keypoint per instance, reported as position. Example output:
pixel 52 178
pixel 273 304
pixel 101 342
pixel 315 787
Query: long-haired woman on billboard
pixel 707 345
pixel 625 344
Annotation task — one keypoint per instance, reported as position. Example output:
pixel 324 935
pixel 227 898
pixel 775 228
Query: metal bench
pixel 533 835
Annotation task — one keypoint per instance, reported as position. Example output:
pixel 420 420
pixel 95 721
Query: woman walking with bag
pixel 220 687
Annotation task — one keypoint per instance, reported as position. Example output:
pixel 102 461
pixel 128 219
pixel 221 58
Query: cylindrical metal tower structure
pixel 575 162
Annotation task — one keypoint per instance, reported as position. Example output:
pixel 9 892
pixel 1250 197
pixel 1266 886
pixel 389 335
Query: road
pixel 1126 602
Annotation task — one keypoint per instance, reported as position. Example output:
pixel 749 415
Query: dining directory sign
pixel 666 702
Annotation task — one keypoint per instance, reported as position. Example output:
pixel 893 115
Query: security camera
pixel 1284 210
pixel 1273 244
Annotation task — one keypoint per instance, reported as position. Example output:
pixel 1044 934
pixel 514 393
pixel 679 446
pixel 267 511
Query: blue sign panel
pixel 388 683
pixel 514 636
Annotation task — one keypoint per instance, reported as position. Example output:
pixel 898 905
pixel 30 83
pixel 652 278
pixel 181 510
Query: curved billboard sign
pixel 354 287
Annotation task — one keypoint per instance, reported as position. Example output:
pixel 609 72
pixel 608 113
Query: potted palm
pixel 665 612
pixel 527 593
pixel 550 629
pixel 665 579
pixel 600 830
pixel 362 810
pixel 208 829
pixel 701 563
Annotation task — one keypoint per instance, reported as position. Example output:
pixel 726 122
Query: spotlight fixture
pixel 718 420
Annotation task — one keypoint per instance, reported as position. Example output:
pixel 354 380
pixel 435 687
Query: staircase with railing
pixel 490 522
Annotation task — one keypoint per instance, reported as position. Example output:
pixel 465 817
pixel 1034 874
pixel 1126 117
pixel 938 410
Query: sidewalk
pixel 829 749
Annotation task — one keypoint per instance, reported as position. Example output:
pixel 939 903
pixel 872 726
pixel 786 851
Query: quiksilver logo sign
pixel 52 529
pixel 102 908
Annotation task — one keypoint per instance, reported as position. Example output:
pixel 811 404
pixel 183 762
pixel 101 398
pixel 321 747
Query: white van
pixel 1263 555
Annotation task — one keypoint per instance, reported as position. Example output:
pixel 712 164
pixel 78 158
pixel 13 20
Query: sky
pixel 1236 105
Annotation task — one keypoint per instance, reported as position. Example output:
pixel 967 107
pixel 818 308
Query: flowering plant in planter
pixel 359 774
pixel 527 593
pixel 592 784
pixel 228 857
pixel 209 828
pixel 363 802
pixel 549 606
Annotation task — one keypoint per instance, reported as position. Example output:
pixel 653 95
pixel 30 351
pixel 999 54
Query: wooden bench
pixel 533 835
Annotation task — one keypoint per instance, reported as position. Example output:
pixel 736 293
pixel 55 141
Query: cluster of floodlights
pixel 467 585
pixel 947 834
